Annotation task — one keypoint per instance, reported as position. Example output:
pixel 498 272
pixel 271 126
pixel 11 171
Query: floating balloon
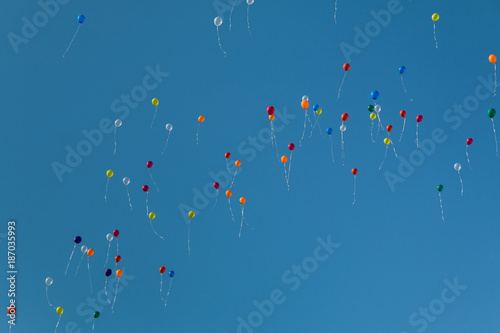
pixel 84 252
pixel 468 143
pixel 118 258
pixel 227 155
pixel 344 117
pixel 434 18
pixel 109 174
pixel 402 70
pixel 419 119
pixel 493 59
pixel 145 188
pixel 374 95
pixel 270 112
pixel 200 120
pixel 191 215
pixel 126 181
pixel 229 193
pixel 152 216
pixel 305 98
pixel 155 103
pixel 354 171
pixel 107 273
pixel 118 273
pixel 491 113
pixel 171 274
pixel 305 105
pixel 237 163
pixel 169 129
pixel 346 67
pixel 96 315
pixel 402 113
pixel 48 283
pixel 458 167
pixel 291 147
pixel 118 123
pixel 76 240
pixel 440 189
pixel 109 238
pixel 80 20
pixel 387 142
pixel 243 200
pixel 329 131
pixel 149 165
pixel 218 23
pixel 59 311
pixel 216 187
pixel 90 253
pixel 162 270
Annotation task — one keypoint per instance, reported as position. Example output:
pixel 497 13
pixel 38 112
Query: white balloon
pixel 169 127
pixel 305 98
pixel 109 237
pixel 378 108
pixel 218 21
pixel 48 281
pixel 342 128
pixel 118 123
pixel 84 249
pixel 126 180
pixel 457 166
pixel 250 2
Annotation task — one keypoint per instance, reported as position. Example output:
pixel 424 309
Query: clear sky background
pixel 395 251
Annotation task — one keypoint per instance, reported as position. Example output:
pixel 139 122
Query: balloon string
pixel 320 131
pixel 248 19
pixel 106 290
pixel 404 87
pixel 286 178
pixel 220 45
pixel 216 198
pixel 335 13
pixel 154 117
pixel 168 137
pixel 71 256
pixel 371 131
pixel 404 123
pixel 168 292
pixel 331 149
pixel 242 218
pixel 495 135
pixel 107 254
pixel 230 208
pixel 90 279
pixel 338 95
pixel 417 137
pixel 147 207
pixel 435 39
pixel 231 14
pixel 441 204
pixel 114 299
pixel 197 132
pixel 467 154
pixel 161 287
pixel 233 178
pixel 304 130
pixel 461 183
pixel 380 167
pixel 342 147
pixel 316 123
pixel 495 91
pixel 354 193
pixel 152 228
pixel 57 325
pixel 189 232
pixel 114 152
pixel 47 294
pixel 93 324
pixel 289 168
pixel 128 194
pixel 106 194
pixel 72 40
pixel 392 143
pixel 77 267
pixel 151 175
pixel 116 246
pixel 275 141
pixel 227 165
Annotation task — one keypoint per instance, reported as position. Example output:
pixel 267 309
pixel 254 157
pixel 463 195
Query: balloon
pixel 402 113
pixel 126 181
pixel 155 101
pixel 84 249
pixel 440 187
pixel 373 116
pixel 420 118
pixel 169 127
pixel 145 188
pixel 218 21
pixel 119 272
pixel 305 98
pixel 90 252
pixel 342 128
pixel 378 108
pixel 97 314
pixel 191 214
pixel 237 163
pixel 227 155
pixel 492 58
pixel 435 17
pixel 229 193
pixel 152 215
pixel 108 272
pixel 319 111
pixel 149 164
pixel 109 237
pixel 109 173
pixel 291 146
pixel 457 166
pixel 59 310
pixel 329 131
pixel 49 281
pixel 389 128
pixel 344 116
pixel 284 159
pixel 371 108
pixel 162 269
pixel 315 107
pixel 402 69
pixel 271 117
pixel 77 239
pixel 346 66
pixel 491 112
pixel 469 141
pixel 243 200
pixel 118 123
pixel 116 233
pixel 387 141
pixel 304 104
pixel 354 171
pixel 375 94
pixel 201 119
pixel 216 185
pixel 81 18
pixel 172 273
pixel 270 110
pixel 118 258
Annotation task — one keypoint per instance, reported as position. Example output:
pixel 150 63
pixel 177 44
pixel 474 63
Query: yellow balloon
pixel 109 173
pixel 387 141
pixel 191 214
pixel 155 101
pixel 152 216
pixel 319 111
pixel 435 16
pixel 373 115
pixel 59 311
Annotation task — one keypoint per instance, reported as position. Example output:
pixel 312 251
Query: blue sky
pixel 390 258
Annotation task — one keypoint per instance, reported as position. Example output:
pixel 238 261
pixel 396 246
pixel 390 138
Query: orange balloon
pixel 284 159
pixel 243 200
pixel 271 117
pixel 119 272
pixel 90 252
pixel 201 119
pixel 493 58
pixel 229 193
pixel 304 104
pixel 237 163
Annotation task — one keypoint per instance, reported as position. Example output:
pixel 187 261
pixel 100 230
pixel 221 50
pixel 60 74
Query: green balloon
pixel 440 187
pixel 96 314
pixel 371 108
pixel 492 112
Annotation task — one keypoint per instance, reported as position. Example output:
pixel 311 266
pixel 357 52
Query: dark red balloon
pixel 145 188
pixel 291 146
pixel 270 110
pixel 420 118
pixel 149 164
pixel 347 66
pixel 344 116
pixel 469 141
pixel 354 171
pixel 116 233
pixel 162 269
pixel 389 128
pixel 118 258
pixel 227 155
pixel 216 185
pixel 402 113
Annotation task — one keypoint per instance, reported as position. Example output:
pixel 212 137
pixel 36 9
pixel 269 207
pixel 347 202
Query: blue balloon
pixel 402 69
pixel 108 272
pixel 78 239
pixel 329 130
pixel 81 18
pixel 171 274
pixel 315 107
pixel 374 94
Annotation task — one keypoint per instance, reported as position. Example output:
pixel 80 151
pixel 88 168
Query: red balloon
pixel 270 110
pixel 116 233
pixel 216 185
pixel 227 155
pixel 347 66
pixel 420 118
pixel 344 116
pixel 389 128
pixel 402 113
pixel 145 188
pixel 149 164
pixel 162 269
pixel 354 171
pixel 469 141
pixel 291 146
pixel 118 258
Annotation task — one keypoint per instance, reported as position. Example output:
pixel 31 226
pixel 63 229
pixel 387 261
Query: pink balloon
pixel 469 141
pixel 149 164
pixel 419 118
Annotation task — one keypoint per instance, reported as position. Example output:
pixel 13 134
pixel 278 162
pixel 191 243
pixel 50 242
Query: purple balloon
pixel 78 239
pixel 108 272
